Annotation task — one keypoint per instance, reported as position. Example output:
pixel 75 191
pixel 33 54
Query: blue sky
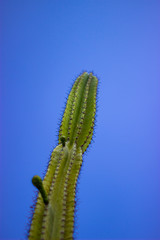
pixel 45 45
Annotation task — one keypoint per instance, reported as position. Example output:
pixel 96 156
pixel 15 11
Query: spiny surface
pixel 53 218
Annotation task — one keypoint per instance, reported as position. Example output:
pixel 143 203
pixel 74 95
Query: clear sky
pixel 45 45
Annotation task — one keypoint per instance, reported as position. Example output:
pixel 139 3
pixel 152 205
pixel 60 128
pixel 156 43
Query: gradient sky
pixel 45 45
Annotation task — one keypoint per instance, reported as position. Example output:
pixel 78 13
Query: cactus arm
pixel 53 218
pixel 37 182
pixel 36 226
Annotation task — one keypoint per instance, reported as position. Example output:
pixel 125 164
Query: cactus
pixel 53 216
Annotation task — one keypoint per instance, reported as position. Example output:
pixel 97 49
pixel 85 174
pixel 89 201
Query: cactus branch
pixel 37 182
pixel 53 218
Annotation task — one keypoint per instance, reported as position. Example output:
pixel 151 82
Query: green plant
pixel 53 218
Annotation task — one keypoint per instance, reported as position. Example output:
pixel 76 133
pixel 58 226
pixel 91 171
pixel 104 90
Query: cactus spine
pixel 53 218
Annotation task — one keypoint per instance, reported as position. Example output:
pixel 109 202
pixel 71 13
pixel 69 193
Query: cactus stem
pixel 54 212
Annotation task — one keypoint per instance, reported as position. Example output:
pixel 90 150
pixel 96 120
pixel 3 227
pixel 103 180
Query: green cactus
pixel 53 217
